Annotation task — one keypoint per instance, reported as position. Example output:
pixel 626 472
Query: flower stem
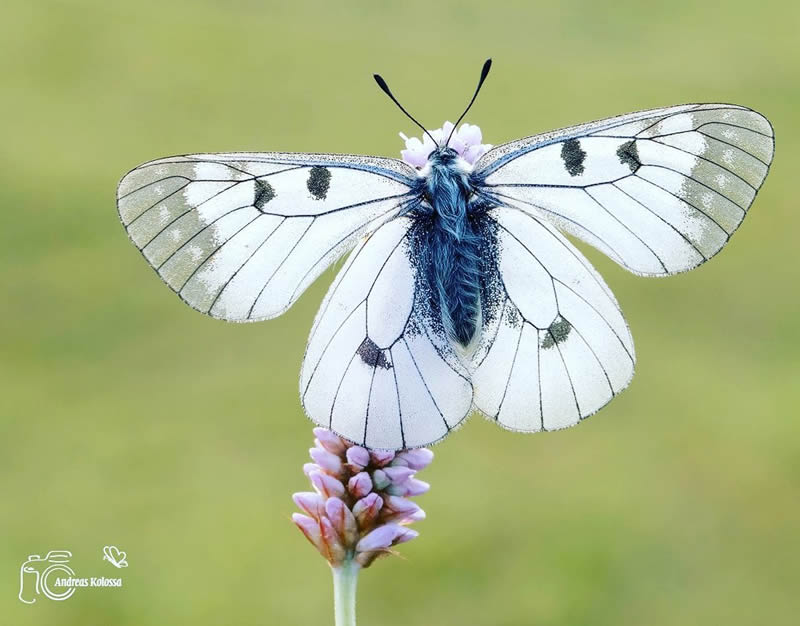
pixel 345 579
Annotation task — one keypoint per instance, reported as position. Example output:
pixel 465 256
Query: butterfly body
pixel 447 241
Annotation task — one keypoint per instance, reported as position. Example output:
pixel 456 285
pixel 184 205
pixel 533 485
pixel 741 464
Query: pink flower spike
pixel 358 456
pixel 311 502
pixel 342 519
pixel 398 475
pixel 380 538
pixel 416 459
pixel 326 485
pixel 326 460
pixel 360 485
pixel 381 457
pixel 367 509
pixel 329 440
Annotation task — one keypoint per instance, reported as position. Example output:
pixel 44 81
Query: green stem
pixel 345 579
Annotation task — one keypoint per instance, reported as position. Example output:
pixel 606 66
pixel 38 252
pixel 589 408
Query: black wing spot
pixel 319 181
pixel 557 333
pixel 573 156
pixel 264 193
pixel 372 355
pixel 629 155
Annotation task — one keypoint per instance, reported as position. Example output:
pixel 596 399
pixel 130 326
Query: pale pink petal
pixel 381 457
pixel 310 528
pixel 310 467
pixel 470 134
pixel 311 502
pixel 326 485
pixel 415 487
pixel 400 510
pixel 416 459
pixel 415 159
pixel 380 479
pixel 358 456
pixel 332 541
pixel 329 440
pixel 360 485
pixel 367 509
pixel 407 535
pixel 342 519
pixel 447 128
pixel 326 460
pixel 457 145
pixel 380 538
pixel 398 474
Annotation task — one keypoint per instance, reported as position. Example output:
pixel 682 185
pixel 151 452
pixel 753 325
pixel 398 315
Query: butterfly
pixel 461 292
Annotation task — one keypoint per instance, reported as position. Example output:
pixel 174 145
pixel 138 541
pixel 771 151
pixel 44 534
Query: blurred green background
pixel 128 419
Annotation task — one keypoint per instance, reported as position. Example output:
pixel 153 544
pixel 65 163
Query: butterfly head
pixel 444 145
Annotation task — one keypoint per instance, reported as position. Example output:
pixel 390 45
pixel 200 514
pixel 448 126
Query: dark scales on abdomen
pixel 319 181
pixel 372 355
pixel 573 156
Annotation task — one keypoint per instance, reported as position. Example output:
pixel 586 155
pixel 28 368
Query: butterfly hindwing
pixel 658 191
pixel 375 370
pixel 555 347
pixel 239 236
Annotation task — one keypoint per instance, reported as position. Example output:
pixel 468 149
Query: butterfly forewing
pixel 658 191
pixel 239 236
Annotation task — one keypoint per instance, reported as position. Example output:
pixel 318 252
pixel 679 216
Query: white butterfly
pixel 396 358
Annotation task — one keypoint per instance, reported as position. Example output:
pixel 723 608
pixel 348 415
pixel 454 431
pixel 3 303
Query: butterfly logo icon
pixel 113 555
pixel 462 292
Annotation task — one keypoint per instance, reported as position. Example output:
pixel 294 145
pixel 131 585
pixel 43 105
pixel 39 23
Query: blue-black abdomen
pixel 448 240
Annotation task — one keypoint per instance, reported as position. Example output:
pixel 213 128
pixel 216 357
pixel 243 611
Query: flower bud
pixel 330 440
pixel 342 520
pixel 399 474
pixel 367 509
pixel 328 461
pixel 360 485
pixel 312 503
pixel 380 480
pixel 326 485
pixel 416 459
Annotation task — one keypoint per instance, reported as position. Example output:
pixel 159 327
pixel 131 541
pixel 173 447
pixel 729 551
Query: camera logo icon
pixel 37 576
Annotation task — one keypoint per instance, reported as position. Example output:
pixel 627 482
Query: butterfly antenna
pixel 382 84
pixel 484 73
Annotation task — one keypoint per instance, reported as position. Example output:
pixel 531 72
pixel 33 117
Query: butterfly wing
pixel 239 236
pixel 555 347
pixel 658 191
pixel 375 371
